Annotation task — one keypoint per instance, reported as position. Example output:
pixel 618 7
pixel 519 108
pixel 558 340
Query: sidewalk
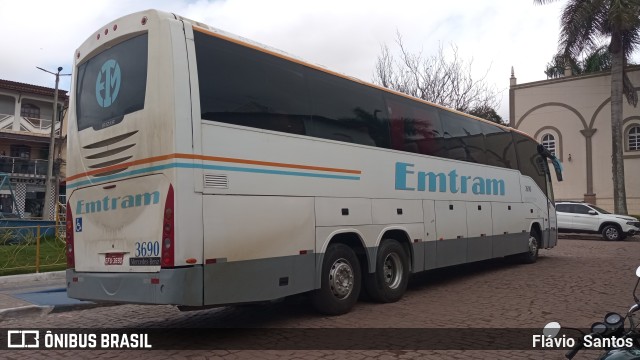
pixel 36 295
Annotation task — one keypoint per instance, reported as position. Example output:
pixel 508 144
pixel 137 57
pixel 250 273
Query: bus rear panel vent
pixel 212 181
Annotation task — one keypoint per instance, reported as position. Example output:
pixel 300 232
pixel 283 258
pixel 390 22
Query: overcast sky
pixel 343 35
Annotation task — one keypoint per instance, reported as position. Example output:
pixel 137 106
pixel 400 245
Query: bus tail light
pixel 69 231
pixel 168 232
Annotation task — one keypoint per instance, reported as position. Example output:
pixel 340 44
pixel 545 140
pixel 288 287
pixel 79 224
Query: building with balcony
pixel 26 113
pixel 571 116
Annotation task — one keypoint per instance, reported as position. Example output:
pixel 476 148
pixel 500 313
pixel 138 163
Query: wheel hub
pixel 533 245
pixel 341 279
pixel 393 271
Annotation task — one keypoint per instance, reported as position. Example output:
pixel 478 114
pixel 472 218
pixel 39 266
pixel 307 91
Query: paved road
pixel 576 284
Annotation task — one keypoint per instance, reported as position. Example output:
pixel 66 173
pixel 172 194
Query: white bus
pixel 205 169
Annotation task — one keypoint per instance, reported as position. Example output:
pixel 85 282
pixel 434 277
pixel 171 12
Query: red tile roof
pixel 31 89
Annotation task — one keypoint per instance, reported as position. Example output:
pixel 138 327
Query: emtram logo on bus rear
pixel 108 83
pixel 117 202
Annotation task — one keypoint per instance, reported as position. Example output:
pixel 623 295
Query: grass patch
pixel 21 258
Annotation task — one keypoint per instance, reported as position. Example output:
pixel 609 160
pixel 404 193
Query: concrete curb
pixel 31 311
pixel 48 280
pixel 83 306
pixel 23 278
pixel 25 311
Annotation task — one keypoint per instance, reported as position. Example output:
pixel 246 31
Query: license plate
pixel 114 259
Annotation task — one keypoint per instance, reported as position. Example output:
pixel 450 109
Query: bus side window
pixel 414 127
pixel 346 111
pixel 499 147
pixel 427 127
pixel 530 162
pixel 398 113
pixel 243 86
pixel 464 138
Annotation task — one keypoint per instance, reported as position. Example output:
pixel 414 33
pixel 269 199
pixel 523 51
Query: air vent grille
pixel 110 152
pixel 110 162
pixel 110 141
pixel 213 181
pixel 107 150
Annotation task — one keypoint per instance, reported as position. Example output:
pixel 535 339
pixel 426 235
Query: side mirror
pixel 552 329
pixel 638 272
pixel 557 166
pixel 592 212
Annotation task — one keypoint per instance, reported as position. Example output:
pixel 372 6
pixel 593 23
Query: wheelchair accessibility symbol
pixel 78 224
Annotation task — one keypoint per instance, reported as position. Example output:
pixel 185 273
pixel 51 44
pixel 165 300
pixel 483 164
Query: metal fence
pixel 29 249
pixel 14 165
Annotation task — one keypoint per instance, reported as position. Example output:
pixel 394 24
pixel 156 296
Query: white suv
pixel 586 218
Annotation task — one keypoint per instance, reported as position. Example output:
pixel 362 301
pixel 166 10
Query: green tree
pixel 487 113
pixel 583 24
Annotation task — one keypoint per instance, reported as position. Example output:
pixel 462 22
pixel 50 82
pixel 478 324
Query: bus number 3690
pixel 147 248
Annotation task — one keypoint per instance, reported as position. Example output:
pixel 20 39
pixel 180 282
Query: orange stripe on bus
pixel 121 166
pixel 209 158
pixel 266 163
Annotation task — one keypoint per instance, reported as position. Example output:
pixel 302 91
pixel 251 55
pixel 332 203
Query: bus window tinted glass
pixel 112 84
pixel 414 128
pixel 347 111
pixel 243 86
pixel 531 163
pixel 500 149
pixel 463 137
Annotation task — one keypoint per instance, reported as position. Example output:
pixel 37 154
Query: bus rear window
pixel 112 84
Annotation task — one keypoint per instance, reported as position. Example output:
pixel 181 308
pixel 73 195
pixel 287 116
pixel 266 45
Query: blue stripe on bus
pixel 209 167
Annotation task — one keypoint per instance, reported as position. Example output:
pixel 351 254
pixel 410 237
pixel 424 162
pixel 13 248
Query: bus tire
pixel 531 255
pixel 341 281
pixel 389 282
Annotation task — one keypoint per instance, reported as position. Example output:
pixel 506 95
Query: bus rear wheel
pixel 389 282
pixel 531 255
pixel 340 281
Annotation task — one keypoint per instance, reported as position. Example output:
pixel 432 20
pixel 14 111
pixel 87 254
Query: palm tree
pixel 599 59
pixel 555 69
pixel 583 24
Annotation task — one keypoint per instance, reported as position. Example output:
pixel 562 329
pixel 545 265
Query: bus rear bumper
pixel 182 286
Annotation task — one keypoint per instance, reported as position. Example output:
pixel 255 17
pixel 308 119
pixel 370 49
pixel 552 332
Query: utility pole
pixel 50 184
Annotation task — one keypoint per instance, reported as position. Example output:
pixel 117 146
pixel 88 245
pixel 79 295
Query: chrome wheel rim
pixel 533 245
pixel 341 279
pixel 611 233
pixel 392 271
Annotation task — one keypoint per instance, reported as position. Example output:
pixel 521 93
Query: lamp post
pixel 50 182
